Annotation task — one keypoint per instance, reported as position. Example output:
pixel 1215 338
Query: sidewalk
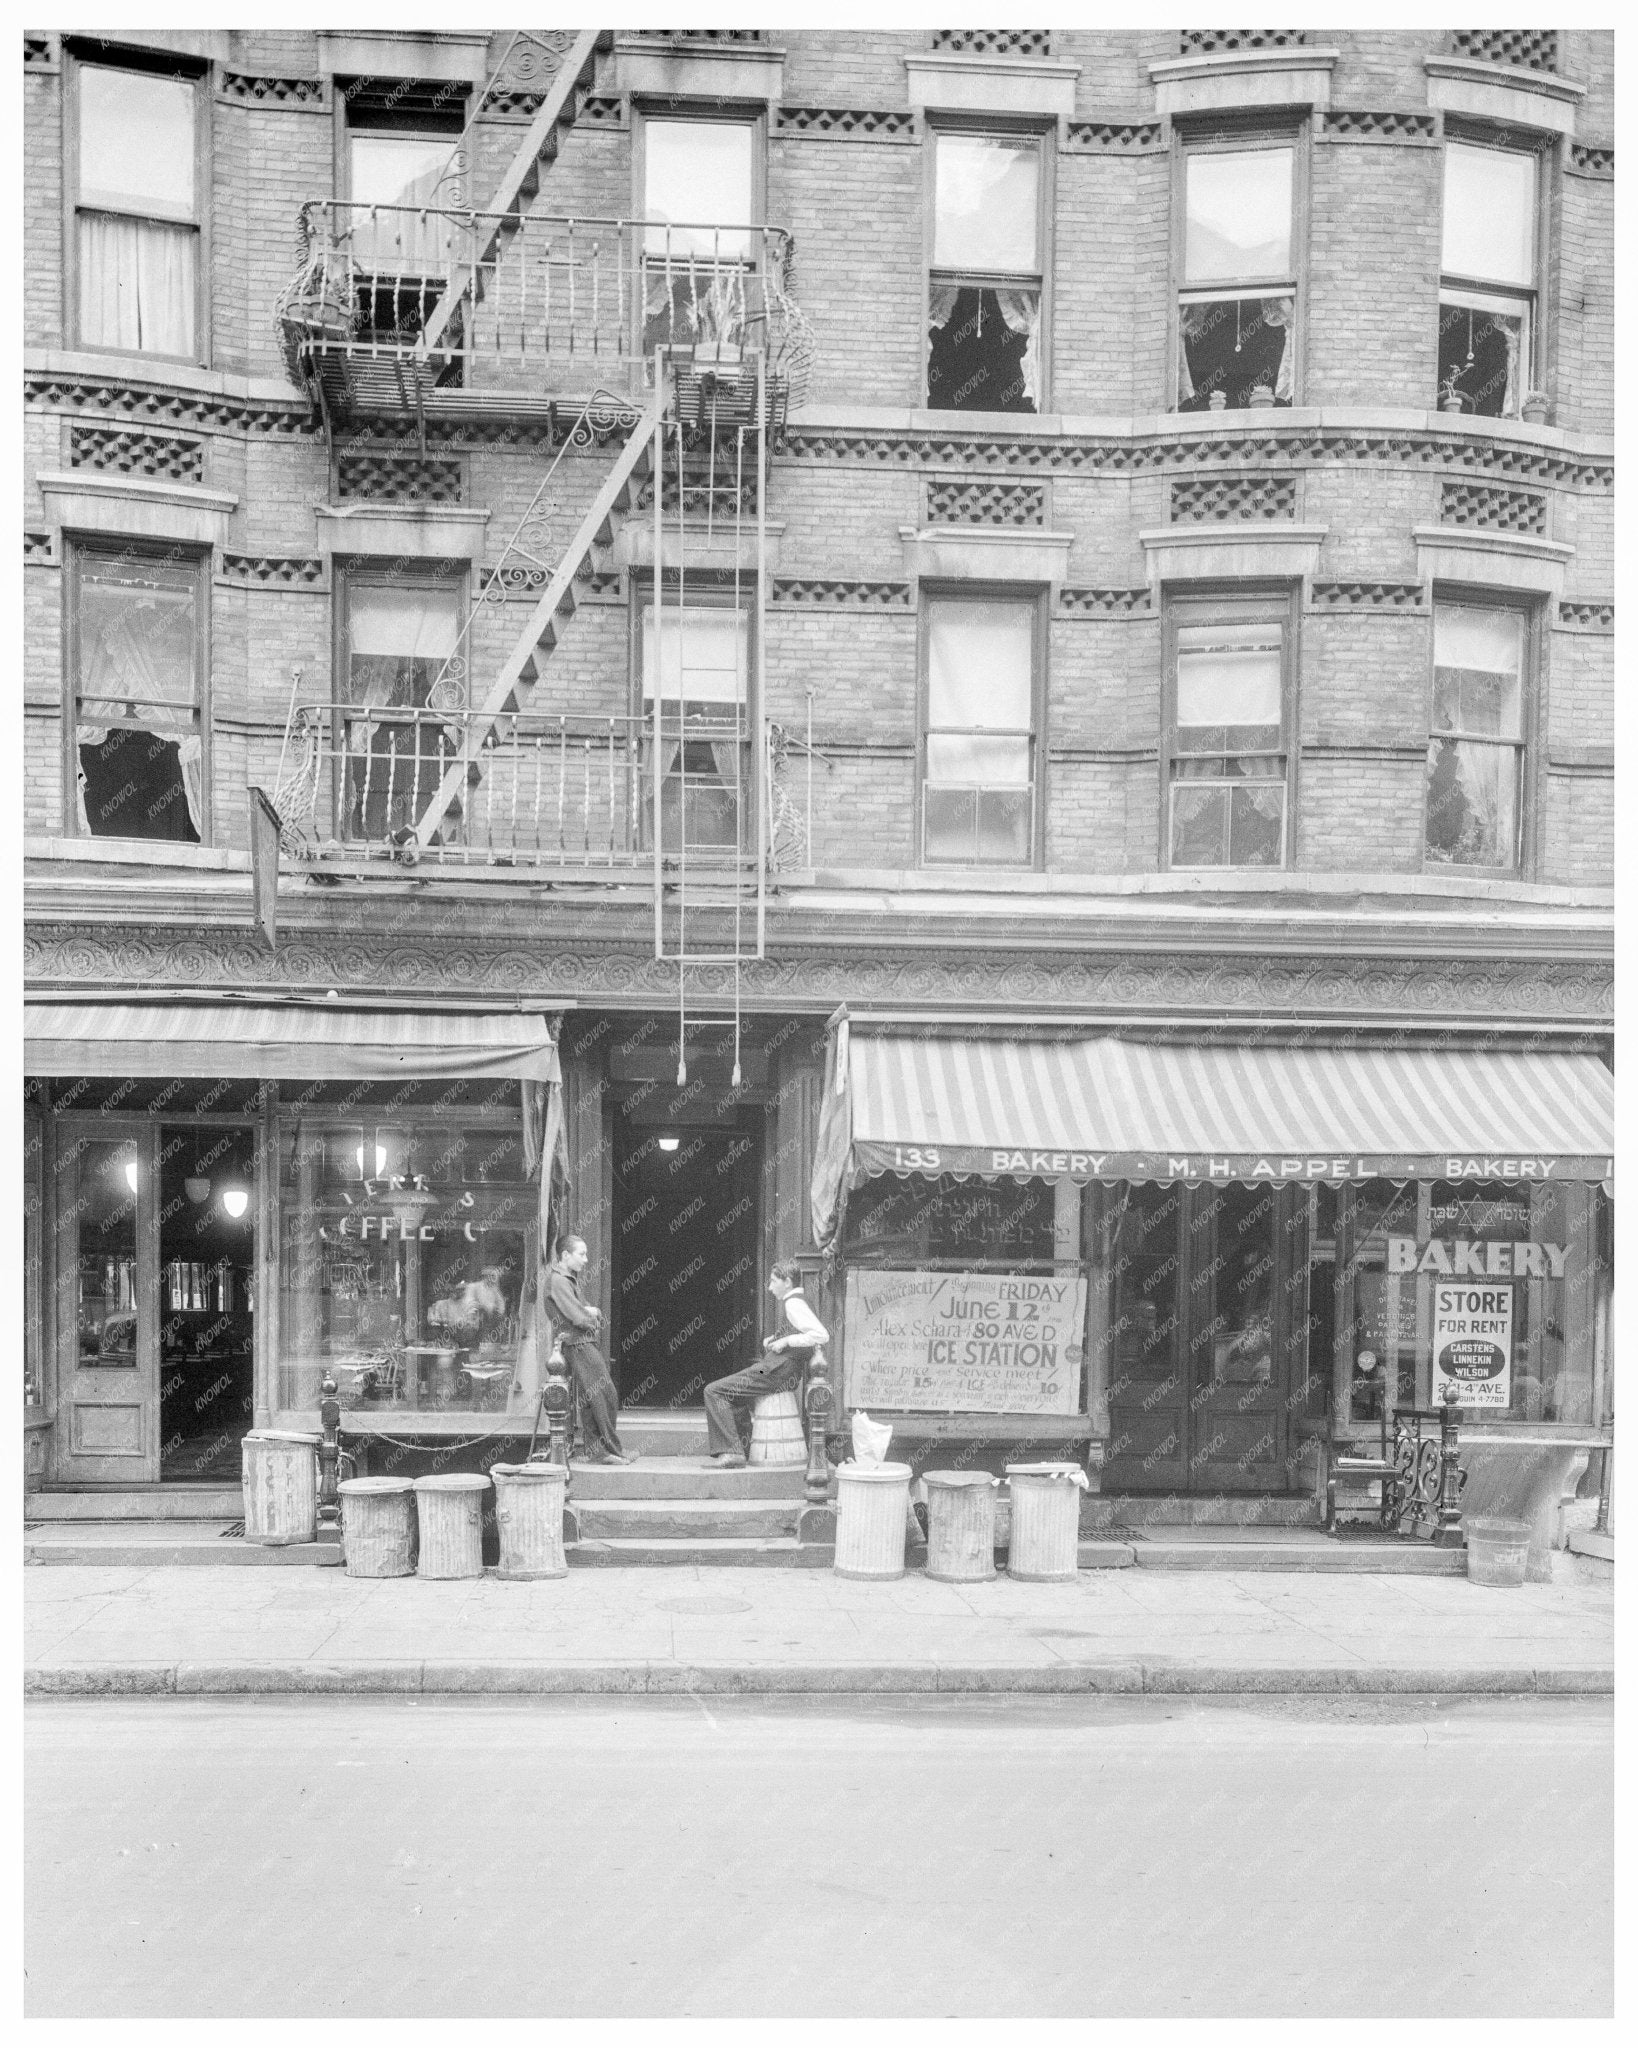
pixel 201 1630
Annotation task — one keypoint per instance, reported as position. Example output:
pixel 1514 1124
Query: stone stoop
pixel 178 1501
pixel 1104 1511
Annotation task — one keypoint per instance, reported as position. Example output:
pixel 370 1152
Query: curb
pixel 1124 1675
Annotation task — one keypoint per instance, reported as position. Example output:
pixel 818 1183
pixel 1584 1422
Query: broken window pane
pixel 1238 206
pixel 985 212
pixel 138 749
pixel 978 795
pixel 1490 214
pixel 1474 755
pixel 1238 347
pixel 1483 344
pixel 983 349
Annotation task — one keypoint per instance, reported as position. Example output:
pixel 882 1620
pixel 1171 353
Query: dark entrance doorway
pixel 1207 1310
pixel 206 1242
pixel 687 1227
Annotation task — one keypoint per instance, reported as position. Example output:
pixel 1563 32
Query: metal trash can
pixel 281 1485
pixel 529 1514
pixel 378 1528
pixel 449 1511
pixel 960 1525
pixel 777 1435
pixel 1046 1514
pixel 872 1511
pixel 1498 1549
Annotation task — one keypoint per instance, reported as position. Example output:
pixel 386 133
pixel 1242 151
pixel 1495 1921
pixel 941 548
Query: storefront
pixel 1196 1259
pixel 233 1202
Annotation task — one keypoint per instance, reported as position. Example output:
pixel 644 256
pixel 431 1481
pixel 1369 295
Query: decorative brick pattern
pixel 1209 42
pixel 1587 616
pixel 110 400
pixel 977 501
pixel 1492 510
pixel 1525 49
pixel 1357 124
pixel 995 42
pixel 1119 138
pixel 837 593
pixel 167 457
pixel 1085 603
pixel 1593 159
pixel 848 124
pixel 1203 500
pixel 701 495
pixel 1350 597
pixel 37 548
pixel 279 92
pixel 39 53
pixel 274 572
pixel 377 476
pixel 598 111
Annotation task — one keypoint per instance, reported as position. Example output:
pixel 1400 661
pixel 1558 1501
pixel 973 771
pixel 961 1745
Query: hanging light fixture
pixel 669 1142
pixel 198 1188
pixel 235 1201
pixel 131 1175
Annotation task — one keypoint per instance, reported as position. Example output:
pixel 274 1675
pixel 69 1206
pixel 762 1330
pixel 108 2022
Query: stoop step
pixel 774 1551
pixel 671 1520
pixel 684 1479
pixel 182 1501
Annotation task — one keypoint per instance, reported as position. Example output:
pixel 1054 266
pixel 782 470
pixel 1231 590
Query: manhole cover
pixel 706 1603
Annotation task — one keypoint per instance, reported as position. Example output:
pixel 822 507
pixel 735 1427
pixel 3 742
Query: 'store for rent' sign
pixel 1472 1344
pixel 985 1343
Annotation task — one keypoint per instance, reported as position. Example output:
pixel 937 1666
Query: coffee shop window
pixel 984 294
pixel 408 1259
pixel 1487 279
pixel 136 747
pixel 1237 302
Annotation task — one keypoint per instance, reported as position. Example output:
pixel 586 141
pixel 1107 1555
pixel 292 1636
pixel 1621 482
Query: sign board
pixel 965 1343
pixel 1473 1343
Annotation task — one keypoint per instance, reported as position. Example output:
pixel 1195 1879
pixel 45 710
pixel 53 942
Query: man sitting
pixel 801 1337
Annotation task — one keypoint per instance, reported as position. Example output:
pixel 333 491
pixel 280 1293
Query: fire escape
pixel 665 351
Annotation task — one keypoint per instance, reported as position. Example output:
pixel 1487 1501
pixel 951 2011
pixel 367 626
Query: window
pixel 403 177
pixel 978 750
pixel 400 682
pixel 699 248
pixel 137 748
pixel 1237 307
pixel 1487 279
pixel 136 211
pixel 984 290
pixel 699 660
pixel 1228 755
pixel 1476 750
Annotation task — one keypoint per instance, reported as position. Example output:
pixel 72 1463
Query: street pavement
pixel 719 1629
pixel 870 1856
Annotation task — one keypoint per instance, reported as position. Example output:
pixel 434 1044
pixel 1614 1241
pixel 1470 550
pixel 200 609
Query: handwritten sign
pixel 978 1343
pixel 1472 1344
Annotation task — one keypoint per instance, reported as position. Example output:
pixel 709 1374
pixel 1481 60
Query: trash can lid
pixel 1061 1470
pixel 960 1479
pixel 536 1471
pixel 886 1473
pixel 283 1436
pixel 382 1484
pixel 451 1482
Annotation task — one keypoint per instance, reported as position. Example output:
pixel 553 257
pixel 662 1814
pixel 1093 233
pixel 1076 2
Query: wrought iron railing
pixel 548 289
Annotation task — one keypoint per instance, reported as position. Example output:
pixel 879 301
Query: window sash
pixel 1467 166
pixel 716 197
pixel 1238 806
pixel 964 238
pixel 1212 259
pixel 1507 790
pixel 112 198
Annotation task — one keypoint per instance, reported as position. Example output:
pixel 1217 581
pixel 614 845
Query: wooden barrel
pixel 281 1486
pixel 1046 1513
pixel 960 1525
pixel 449 1510
pixel 377 1528
pixel 872 1510
pixel 529 1513
pixel 777 1436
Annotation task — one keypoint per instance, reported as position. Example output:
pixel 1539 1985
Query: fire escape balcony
pixel 446 312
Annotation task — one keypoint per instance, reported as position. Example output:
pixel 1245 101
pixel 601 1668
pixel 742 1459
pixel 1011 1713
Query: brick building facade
pixel 958 542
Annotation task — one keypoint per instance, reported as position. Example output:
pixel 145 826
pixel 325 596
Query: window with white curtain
pixel 136 752
pixel 984 287
pixel 137 211
pixel 1237 304
pixel 1476 747
pixel 697 662
pixel 1228 755
pixel 401 681
pixel 978 744
pixel 1487 279
pixel 699 245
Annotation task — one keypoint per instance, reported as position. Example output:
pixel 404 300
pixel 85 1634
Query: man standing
pixel 801 1337
pixel 576 1325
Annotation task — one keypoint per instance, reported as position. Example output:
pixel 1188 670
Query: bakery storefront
pixel 228 1203
pixel 1194 1262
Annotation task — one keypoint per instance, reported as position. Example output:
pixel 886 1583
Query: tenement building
pixel 981 658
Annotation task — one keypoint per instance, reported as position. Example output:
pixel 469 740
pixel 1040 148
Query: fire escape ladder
pixel 556 606
pixel 505 212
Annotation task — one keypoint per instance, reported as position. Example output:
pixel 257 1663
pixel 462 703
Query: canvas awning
pixel 285 1042
pixel 1114 1109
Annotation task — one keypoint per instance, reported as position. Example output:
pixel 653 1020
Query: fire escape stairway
pixel 505 211
pixel 517 675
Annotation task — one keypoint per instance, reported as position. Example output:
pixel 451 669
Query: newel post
pixel 329 1461
pixel 1448 1519
pixel 816 1401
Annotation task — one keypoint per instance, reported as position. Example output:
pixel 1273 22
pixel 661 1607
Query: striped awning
pixel 1111 1109
pixel 284 1042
